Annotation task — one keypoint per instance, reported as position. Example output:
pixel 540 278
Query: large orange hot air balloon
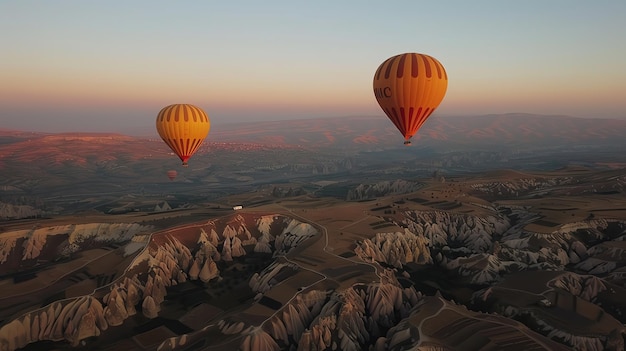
pixel 183 128
pixel 409 87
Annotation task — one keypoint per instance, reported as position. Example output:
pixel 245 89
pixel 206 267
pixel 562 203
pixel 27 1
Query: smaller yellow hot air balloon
pixel 183 127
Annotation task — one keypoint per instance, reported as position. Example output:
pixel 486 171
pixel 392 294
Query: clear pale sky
pixel 112 65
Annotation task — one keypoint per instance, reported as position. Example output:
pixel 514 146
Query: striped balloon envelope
pixel 409 87
pixel 183 128
pixel 171 174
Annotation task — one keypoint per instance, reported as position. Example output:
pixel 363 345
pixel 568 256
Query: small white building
pixel 238 207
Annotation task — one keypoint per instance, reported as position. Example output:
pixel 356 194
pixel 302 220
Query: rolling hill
pixel 350 150
pixel 515 128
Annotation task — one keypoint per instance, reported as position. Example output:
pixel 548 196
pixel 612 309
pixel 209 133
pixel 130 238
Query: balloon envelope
pixel 183 128
pixel 172 174
pixel 409 87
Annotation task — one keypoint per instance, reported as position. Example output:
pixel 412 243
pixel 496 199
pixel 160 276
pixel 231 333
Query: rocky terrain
pixel 170 258
pixel 10 211
pixel 445 276
pixel 381 316
pixel 386 188
pixel 28 248
pixel 587 260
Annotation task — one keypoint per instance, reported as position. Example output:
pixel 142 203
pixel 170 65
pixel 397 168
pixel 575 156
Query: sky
pixel 110 66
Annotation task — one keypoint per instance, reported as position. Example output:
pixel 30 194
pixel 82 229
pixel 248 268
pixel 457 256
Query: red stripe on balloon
pixel 443 75
pixel 411 119
pixel 438 68
pixel 191 146
pixel 427 113
pixel 400 118
pixel 418 118
pixel 406 120
pixel 166 112
pixel 400 71
pixel 427 66
pixel 174 145
pixel 181 146
pixel 389 65
pixel 194 113
pixel 197 115
pixel 200 116
pixel 414 67
pixel 379 71
pixel 197 144
pixel 170 144
pixel 390 115
pixel 176 113
pixel 172 111
pixel 194 146
pixel 441 71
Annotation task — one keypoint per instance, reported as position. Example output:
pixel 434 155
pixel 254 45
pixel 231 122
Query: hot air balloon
pixel 409 87
pixel 183 128
pixel 171 174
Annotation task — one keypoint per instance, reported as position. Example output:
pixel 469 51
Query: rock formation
pixel 72 320
pixel 75 235
pixel 521 186
pixel 10 211
pixel 439 324
pixel 395 249
pixel 385 188
pixel 168 263
pixel 261 282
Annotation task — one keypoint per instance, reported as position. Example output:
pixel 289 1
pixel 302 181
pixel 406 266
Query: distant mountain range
pixel 351 134
pixel 78 148
pixel 515 128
